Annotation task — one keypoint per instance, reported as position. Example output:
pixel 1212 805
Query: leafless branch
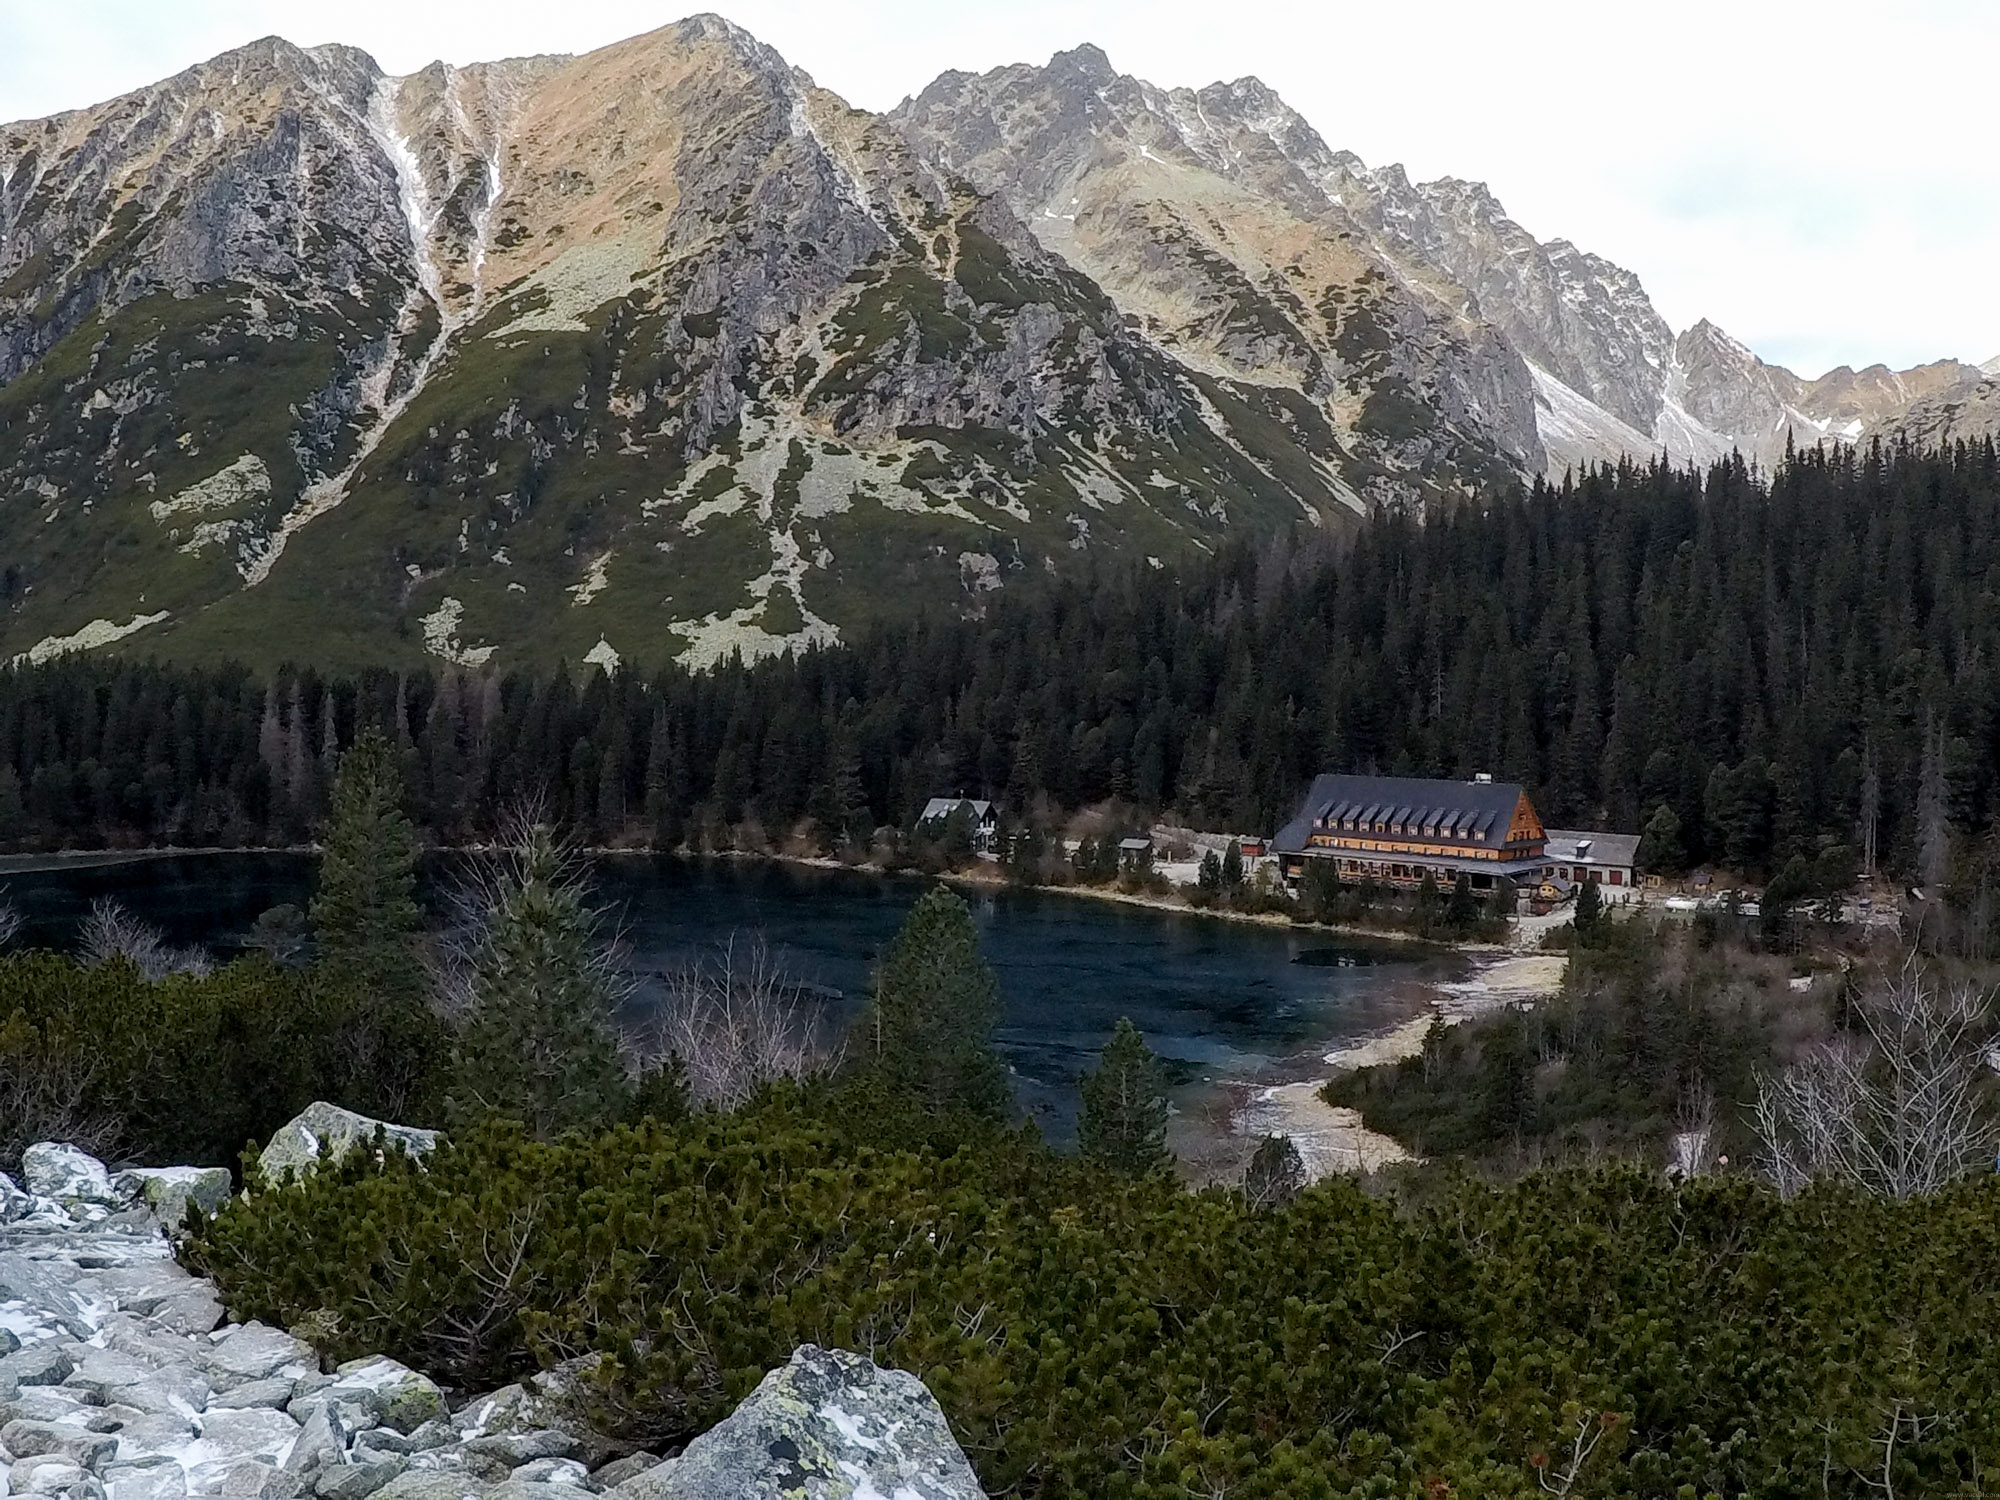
pixel 736 1022
pixel 111 932
pixel 1900 1109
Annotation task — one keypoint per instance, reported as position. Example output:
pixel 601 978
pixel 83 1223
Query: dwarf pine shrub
pixel 1093 1334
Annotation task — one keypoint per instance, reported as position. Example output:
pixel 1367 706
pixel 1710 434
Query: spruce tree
pixel 1660 847
pixel 1276 1174
pixel 540 990
pixel 1462 910
pixel 1589 910
pixel 928 1031
pixel 1123 1126
pixel 364 913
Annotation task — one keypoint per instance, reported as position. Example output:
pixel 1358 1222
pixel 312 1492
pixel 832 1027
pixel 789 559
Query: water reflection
pixel 1218 999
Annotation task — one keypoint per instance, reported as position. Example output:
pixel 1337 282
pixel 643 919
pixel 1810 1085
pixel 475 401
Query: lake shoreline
pixel 56 861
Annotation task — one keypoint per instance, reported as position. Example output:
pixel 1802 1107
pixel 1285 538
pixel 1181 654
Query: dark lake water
pixel 1220 1000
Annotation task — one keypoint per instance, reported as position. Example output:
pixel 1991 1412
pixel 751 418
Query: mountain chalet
pixel 1398 829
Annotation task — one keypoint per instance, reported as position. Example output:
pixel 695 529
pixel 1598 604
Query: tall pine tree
pixel 364 913
pixel 1123 1126
pixel 928 1030
pixel 540 989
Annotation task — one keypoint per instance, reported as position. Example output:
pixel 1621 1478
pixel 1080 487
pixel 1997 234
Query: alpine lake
pixel 1226 1004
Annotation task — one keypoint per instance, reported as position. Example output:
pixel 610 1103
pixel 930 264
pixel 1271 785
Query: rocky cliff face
pixel 663 351
pixel 1205 217
pixel 659 351
pixel 1223 224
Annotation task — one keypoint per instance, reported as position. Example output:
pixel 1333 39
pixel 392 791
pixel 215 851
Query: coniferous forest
pixel 1784 663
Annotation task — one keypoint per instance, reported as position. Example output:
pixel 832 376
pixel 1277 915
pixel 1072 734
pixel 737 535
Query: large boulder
pixel 830 1425
pixel 70 1176
pixel 296 1146
pixel 165 1192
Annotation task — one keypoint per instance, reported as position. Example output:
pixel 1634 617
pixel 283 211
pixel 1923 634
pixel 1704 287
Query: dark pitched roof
pixel 1467 808
pixel 1597 848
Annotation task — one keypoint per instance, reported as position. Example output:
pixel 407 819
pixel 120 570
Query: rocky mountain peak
pixel 1087 63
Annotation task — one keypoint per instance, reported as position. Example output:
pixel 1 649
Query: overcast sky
pixel 1820 178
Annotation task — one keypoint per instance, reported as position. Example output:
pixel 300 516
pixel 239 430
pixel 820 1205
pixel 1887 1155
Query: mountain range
pixel 663 351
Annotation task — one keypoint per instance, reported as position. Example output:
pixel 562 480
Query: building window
pixel 1617 877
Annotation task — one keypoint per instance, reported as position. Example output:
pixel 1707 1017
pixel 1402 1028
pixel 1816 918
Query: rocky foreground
pixel 121 1380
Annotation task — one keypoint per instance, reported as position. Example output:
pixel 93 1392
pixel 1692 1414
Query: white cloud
pixel 1816 177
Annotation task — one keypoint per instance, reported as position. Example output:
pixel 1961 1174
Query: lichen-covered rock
pixel 829 1425
pixel 165 1192
pixel 296 1146
pixel 52 1170
pixel 13 1202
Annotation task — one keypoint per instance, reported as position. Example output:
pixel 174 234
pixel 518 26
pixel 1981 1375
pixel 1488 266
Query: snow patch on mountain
pixel 97 633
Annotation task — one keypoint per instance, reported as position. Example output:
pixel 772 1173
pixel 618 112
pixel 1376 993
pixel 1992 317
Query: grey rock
pixel 166 1192
pixel 9 1342
pixel 551 1471
pixel 102 1372
pixel 46 1474
pixel 631 1466
pixel 517 1448
pixel 436 1433
pixel 521 1489
pixel 321 1444
pixel 248 1479
pixel 401 1398
pixel 829 1422
pixel 357 1481
pixel 146 1341
pixel 495 1412
pixel 296 1145
pixel 165 1295
pixel 29 1439
pixel 254 1352
pixel 169 1392
pixel 252 1432
pixel 276 1392
pixel 51 1287
pixel 44 1403
pixel 39 1364
pixel 154 1435
pixel 433 1484
pixel 67 1175
pixel 14 1203
pixel 147 1479
pixel 648 1484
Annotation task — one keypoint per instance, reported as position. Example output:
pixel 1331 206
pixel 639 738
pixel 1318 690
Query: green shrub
pixel 1095 1336
pixel 189 1068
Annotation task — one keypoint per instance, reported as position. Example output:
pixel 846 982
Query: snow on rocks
pixel 119 1380
pixel 67 1175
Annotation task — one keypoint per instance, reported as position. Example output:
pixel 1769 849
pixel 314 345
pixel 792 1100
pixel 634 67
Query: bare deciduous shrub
pixel 111 932
pixel 736 1022
pixel 44 1096
pixel 10 924
pixel 1901 1109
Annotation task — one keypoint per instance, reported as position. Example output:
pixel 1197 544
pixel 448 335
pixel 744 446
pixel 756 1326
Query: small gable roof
pixel 944 807
pixel 1590 847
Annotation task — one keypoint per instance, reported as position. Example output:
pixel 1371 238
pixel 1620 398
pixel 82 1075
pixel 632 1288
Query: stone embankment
pixel 121 1380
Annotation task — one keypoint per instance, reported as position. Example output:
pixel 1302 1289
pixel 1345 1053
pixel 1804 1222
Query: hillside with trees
pixel 1749 669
